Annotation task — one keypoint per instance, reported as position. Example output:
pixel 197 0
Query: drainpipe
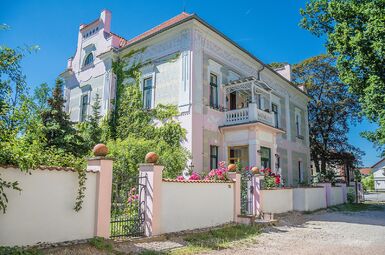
pixel 259 72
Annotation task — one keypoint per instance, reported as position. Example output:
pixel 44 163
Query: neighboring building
pixel 233 106
pixel 378 171
pixel 365 171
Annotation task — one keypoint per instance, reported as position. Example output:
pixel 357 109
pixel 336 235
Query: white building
pixel 378 171
pixel 233 106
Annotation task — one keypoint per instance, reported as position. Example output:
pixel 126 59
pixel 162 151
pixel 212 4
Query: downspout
pixel 259 72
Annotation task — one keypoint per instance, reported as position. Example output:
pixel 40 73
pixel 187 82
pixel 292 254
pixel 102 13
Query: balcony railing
pixel 237 116
pixel 250 114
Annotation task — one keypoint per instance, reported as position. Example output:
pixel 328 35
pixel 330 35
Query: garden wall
pixel 336 196
pixel 276 200
pixel 191 205
pixel 44 210
pixel 309 199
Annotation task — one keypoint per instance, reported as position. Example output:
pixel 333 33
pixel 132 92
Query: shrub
pixel 351 197
pixel 368 182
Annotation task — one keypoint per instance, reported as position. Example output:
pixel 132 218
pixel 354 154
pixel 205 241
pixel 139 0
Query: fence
pixel 43 212
pixel 173 206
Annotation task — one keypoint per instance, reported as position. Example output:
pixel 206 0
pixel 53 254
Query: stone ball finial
pixel 255 170
pixel 151 158
pixel 100 150
pixel 232 168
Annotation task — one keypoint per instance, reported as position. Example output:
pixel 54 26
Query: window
pixel 147 93
pixel 84 108
pixel 239 153
pixel 298 124
pixel 213 91
pixel 213 157
pixel 300 171
pixel 89 59
pixel 265 157
pixel 274 109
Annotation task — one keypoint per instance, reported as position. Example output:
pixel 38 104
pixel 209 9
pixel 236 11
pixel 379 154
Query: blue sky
pixel 268 29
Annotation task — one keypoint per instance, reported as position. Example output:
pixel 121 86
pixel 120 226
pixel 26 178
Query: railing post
pixel 253 112
pixel 152 197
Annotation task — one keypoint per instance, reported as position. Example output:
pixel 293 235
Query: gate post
pixel 151 197
pixel 102 166
pixel 237 195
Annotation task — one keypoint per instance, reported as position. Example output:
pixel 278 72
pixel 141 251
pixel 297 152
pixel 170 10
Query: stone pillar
pixel 237 195
pixel 151 197
pixel 103 168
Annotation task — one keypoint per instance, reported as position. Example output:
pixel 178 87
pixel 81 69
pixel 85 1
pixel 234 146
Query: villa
pixel 232 105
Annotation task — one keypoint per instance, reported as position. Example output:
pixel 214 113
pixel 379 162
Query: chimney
pixel 285 71
pixel 105 16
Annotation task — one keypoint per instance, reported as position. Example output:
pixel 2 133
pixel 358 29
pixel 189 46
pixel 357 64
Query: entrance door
pixel 239 153
pixel 265 157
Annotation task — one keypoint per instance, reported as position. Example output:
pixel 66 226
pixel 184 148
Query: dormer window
pixel 89 59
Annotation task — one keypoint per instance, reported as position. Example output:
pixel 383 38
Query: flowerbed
pixel 219 174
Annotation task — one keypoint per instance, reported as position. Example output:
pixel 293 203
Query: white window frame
pixel 215 68
pixel 88 94
pixel 298 122
pixel 145 77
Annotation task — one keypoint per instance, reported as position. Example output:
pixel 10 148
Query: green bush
pixel 368 182
pixel 351 197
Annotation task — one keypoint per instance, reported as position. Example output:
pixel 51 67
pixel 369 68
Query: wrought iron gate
pixel 127 206
pixel 247 193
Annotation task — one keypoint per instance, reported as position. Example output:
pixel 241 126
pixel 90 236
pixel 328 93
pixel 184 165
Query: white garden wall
pixel 193 205
pixel 44 210
pixel 309 199
pixel 276 200
pixel 336 196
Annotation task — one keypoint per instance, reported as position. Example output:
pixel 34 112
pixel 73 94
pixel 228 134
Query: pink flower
pixel 195 176
pixel 180 178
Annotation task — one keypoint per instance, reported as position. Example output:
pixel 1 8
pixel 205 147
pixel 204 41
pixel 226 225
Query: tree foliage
pixel 331 109
pixel 355 33
pixel 58 130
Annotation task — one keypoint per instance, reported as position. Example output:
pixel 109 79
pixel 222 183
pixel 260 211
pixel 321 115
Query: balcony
pixel 248 115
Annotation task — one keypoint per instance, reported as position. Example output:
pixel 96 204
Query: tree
pixel 58 130
pixel 331 109
pixel 90 129
pixel 355 34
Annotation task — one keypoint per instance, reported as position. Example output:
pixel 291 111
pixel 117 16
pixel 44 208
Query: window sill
pixel 217 108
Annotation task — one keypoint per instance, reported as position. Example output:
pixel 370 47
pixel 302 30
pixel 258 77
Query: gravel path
pixel 322 233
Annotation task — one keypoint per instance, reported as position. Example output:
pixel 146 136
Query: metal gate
pixel 247 193
pixel 127 206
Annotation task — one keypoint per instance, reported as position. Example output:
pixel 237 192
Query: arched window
pixel 89 59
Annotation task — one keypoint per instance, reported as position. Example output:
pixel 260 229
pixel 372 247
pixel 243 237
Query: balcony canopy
pixel 250 85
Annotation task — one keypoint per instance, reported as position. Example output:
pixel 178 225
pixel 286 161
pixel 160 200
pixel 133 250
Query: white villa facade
pixel 233 106
pixel 378 171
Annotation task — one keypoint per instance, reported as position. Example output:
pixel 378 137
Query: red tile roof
pixel 123 42
pixel 366 171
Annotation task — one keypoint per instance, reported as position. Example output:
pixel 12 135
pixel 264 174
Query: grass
pixel 4 250
pixel 102 244
pixel 357 207
pixel 217 239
